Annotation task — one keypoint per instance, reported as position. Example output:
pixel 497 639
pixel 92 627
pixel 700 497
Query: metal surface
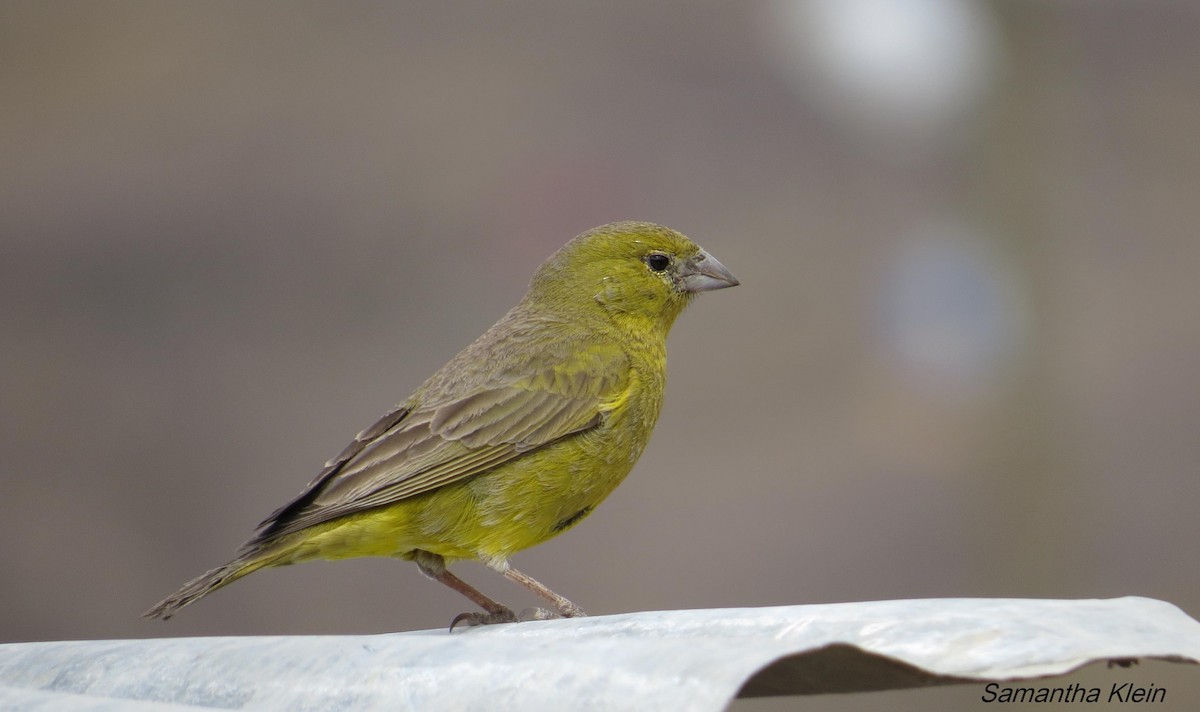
pixel 696 660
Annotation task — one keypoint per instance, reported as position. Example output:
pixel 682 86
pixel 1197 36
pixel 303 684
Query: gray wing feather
pixel 415 449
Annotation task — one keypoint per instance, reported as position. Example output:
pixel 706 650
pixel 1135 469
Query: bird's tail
pixel 203 585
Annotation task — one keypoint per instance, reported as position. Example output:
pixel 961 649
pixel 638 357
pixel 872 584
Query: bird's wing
pixel 417 448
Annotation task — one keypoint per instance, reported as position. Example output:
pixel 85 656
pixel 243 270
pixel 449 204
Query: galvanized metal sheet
pixel 697 659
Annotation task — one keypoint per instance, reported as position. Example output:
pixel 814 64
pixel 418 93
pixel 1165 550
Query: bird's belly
pixel 524 501
pixel 493 515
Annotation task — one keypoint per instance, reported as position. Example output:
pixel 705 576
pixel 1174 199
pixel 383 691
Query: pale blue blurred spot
pixel 953 313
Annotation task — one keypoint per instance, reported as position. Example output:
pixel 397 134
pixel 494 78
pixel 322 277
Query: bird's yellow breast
pixel 529 500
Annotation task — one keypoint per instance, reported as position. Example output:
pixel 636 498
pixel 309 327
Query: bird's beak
pixel 704 273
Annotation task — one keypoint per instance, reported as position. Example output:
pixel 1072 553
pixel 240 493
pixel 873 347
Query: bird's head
pixel 635 271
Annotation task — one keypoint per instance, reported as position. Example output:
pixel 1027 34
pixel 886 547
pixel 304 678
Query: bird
pixel 515 440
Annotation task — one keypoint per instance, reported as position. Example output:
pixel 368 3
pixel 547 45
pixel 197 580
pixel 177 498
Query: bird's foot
pixel 499 615
pixel 543 614
pixel 566 609
pixel 538 614
pixel 506 615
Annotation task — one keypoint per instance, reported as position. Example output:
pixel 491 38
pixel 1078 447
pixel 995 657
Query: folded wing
pixel 419 447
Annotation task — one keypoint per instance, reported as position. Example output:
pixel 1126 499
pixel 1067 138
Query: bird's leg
pixel 434 566
pixel 501 612
pixel 565 608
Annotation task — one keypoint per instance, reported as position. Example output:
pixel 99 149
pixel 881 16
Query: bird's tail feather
pixel 203 585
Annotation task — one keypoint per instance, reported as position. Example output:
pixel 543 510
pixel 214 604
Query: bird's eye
pixel 658 262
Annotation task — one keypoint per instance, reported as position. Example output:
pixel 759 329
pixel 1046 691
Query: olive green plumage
pixel 514 440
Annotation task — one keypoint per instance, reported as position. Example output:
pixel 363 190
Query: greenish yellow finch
pixel 512 442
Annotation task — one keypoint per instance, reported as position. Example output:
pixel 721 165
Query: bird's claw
pixel 473 619
pixel 507 616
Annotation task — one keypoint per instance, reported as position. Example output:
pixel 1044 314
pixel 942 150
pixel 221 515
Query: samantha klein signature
pixel 1119 692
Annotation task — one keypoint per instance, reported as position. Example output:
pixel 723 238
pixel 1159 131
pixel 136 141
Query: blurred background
pixel 962 361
